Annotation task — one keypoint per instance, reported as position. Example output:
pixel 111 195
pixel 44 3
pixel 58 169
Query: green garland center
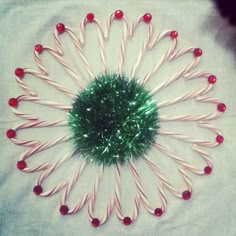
pixel 113 120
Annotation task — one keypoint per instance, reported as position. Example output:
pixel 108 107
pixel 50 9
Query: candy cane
pixel 45 79
pixel 164 183
pixel 49 171
pixel 165 57
pixel 146 42
pixel 139 185
pixel 60 60
pixel 180 161
pixel 126 220
pixel 118 15
pixel 44 102
pixel 183 72
pixel 44 146
pixel 68 190
pixel 93 199
pixel 35 124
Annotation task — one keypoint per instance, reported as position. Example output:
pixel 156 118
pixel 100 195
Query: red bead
pixel 219 139
pixel 207 170
pixel 38 190
pixel 127 220
pixel 186 195
pixel 60 28
pixel 212 79
pixel 90 17
pixel 19 72
pixel 21 165
pixel 147 17
pixel 64 209
pixel 95 222
pixel 174 34
pixel 158 212
pixel 197 52
pixel 38 48
pixel 11 133
pixel 221 107
pixel 13 102
pixel 119 14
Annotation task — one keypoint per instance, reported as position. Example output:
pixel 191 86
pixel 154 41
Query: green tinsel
pixel 113 119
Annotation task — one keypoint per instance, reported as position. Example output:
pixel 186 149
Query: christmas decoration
pixel 114 120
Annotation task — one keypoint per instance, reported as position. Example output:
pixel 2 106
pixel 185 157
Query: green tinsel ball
pixel 113 119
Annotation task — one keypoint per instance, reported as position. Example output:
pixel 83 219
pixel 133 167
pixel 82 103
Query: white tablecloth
pixel 212 209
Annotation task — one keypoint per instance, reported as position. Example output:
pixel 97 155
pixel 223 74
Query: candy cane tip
pixel 64 209
pixel 95 222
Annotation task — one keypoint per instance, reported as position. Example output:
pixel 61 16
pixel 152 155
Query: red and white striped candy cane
pixel 139 185
pixel 35 124
pixel 124 39
pixel 175 55
pixel 119 213
pixel 44 78
pixel 164 183
pixel 145 44
pixel 69 188
pixel 59 59
pixel 92 200
pixel 49 171
pixel 164 58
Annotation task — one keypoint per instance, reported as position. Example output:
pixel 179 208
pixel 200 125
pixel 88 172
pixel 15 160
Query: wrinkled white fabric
pixel 212 209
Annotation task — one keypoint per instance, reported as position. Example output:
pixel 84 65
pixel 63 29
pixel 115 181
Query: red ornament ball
pixel 38 189
pixel 127 220
pixel 147 17
pixel 221 107
pixel 174 34
pixel 90 17
pixel 197 52
pixel 119 14
pixel 207 170
pixel 64 209
pixel 19 72
pixel 11 133
pixel 212 79
pixel 13 102
pixel 186 195
pixel 95 222
pixel 219 139
pixel 60 28
pixel 21 165
pixel 38 48
pixel 158 212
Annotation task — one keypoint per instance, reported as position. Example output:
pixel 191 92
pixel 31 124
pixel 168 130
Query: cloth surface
pixel 212 209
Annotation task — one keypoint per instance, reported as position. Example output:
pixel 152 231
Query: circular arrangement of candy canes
pixel 32 121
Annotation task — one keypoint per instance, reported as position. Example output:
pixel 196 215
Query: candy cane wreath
pixel 128 121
